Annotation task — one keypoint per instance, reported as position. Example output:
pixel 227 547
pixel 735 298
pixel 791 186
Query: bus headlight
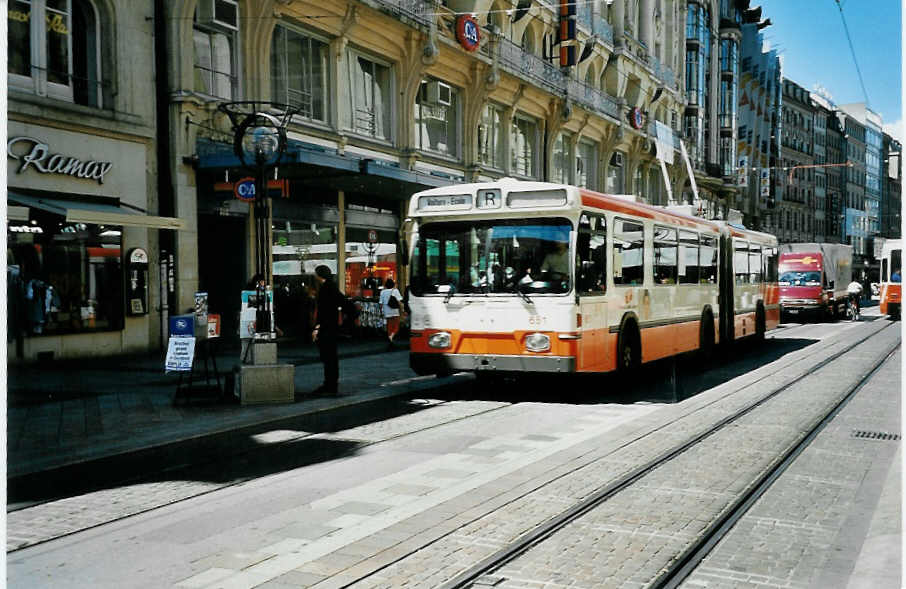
pixel 441 339
pixel 537 342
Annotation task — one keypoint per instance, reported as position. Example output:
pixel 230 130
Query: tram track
pixel 483 572
pixel 186 493
pixel 688 561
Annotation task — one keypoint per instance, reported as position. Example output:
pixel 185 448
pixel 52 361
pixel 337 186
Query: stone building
pixel 891 188
pixel 796 219
pixel 855 221
pixel 392 98
pixel 82 181
pixel 760 99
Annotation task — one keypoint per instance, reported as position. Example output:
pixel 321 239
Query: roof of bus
pixel 616 203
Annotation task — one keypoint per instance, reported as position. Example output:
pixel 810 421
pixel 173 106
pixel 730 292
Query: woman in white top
pixel 391 310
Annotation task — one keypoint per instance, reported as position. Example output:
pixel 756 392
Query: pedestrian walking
pixel 391 300
pixel 330 304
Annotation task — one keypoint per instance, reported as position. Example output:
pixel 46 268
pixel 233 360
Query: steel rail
pixel 693 555
pixel 554 524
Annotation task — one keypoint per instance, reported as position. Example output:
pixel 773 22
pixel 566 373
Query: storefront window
pixel 370 261
pixel 63 277
pixel 299 247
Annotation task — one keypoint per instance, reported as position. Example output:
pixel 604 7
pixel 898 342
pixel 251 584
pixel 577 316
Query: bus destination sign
pixel 445 202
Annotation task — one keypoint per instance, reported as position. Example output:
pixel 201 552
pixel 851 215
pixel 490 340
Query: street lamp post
pixel 259 141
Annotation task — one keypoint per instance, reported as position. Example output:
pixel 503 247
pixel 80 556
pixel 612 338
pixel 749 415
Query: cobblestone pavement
pixel 417 510
pixel 810 528
pixel 66 516
pixel 630 538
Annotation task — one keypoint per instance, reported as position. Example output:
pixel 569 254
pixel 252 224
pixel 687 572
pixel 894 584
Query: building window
pixel 54 49
pixel 64 277
pixel 586 169
pixel 490 137
pixel 370 97
pixel 437 118
pixel 524 138
pixel 615 174
pixel 560 159
pixel 299 72
pixel 215 71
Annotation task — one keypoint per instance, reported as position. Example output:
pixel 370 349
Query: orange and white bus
pixel 515 276
pixel 891 270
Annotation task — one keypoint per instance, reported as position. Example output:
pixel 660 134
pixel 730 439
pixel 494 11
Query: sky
pixel 812 41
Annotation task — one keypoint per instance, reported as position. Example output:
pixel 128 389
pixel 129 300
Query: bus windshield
pixel 529 256
pixel 800 279
pixel 895 265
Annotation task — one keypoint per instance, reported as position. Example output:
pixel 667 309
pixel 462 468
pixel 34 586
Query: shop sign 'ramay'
pixel 40 158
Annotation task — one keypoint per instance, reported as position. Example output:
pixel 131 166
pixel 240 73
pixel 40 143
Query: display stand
pixel 206 354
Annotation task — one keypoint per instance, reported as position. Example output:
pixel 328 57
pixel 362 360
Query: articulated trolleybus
pixel 531 277
pixel 891 279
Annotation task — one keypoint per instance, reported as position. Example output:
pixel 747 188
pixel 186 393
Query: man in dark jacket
pixel 330 302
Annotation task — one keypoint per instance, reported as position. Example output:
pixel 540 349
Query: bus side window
pixel 741 261
pixel 628 252
pixel 755 275
pixel 708 260
pixel 665 250
pixel 591 255
pixel 688 258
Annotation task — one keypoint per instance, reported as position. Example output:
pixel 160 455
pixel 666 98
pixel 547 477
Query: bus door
pixel 591 289
pixel 663 294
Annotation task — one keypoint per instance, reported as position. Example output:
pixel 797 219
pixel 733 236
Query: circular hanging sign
pixel 467 32
pixel 636 117
pixel 244 189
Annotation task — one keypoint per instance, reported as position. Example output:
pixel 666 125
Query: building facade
pixel 796 219
pixel 760 100
pixel 82 181
pixel 393 98
pixel 891 188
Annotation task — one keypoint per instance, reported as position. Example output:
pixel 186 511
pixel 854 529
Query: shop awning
pixel 95 212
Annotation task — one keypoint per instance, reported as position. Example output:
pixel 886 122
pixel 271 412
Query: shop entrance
pixel 222 268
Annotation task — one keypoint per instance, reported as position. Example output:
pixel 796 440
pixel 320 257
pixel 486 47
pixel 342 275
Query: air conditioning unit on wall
pixel 439 93
pixel 223 13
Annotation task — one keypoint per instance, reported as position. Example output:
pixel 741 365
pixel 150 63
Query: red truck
pixel 813 279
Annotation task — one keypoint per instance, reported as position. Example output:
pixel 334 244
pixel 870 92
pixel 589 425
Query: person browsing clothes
pixel 326 332
pixel 391 300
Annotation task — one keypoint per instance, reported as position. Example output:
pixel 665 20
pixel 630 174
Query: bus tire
pixel 706 337
pixel 629 348
pixel 760 323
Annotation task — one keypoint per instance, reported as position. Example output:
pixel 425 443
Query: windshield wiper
pixel 449 296
pixel 525 297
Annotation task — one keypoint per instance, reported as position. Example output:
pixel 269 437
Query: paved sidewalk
pixel 67 413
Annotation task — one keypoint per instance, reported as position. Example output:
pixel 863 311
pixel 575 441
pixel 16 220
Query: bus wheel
pixel 629 346
pixel 706 338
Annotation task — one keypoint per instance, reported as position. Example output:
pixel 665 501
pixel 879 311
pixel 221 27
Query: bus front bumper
pixel 449 363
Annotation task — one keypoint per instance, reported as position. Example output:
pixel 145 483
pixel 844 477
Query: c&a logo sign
pixel 467 32
pixel 244 189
